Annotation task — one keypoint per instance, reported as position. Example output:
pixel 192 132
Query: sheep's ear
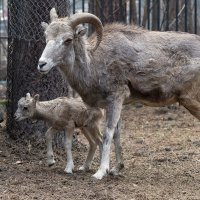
pixel 80 31
pixel 36 97
pixel 28 96
pixel 44 25
pixel 53 14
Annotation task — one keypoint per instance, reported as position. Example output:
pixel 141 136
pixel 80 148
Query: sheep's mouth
pixel 19 118
pixel 44 71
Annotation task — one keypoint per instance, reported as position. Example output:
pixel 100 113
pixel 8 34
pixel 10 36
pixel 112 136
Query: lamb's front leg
pixel 112 117
pixel 49 136
pixel 68 146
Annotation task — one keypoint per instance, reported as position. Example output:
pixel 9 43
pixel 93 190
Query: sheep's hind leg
pixel 118 151
pixel 92 149
pixel 50 157
pixel 113 115
pixel 68 146
pixel 191 104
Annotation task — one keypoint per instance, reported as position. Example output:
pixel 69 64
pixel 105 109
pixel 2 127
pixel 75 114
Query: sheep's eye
pixel 68 41
pixel 25 108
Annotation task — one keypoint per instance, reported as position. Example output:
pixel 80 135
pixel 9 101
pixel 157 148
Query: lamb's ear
pixel 36 97
pixel 53 14
pixel 80 31
pixel 28 96
pixel 44 25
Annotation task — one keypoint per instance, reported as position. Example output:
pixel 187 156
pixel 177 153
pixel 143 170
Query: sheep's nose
pixel 41 64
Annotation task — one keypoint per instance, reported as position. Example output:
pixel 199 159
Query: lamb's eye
pixel 25 108
pixel 68 41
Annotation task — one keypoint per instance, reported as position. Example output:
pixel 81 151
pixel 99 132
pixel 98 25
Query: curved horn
pixel 80 18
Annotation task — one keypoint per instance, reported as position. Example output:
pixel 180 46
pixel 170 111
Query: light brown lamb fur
pixel 126 64
pixel 64 114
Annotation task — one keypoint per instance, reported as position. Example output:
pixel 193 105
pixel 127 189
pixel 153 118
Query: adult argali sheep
pixel 122 64
pixel 64 114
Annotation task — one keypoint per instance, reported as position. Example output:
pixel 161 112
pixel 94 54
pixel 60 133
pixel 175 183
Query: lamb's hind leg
pixel 95 133
pixel 50 157
pixel 118 151
pixel 92 149
pixel 191 104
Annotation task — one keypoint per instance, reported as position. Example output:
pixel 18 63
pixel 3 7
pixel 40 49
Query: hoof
pixel 84 168
pixel 115 170
pixel 51 163
pixel 100 174
pixel 68 171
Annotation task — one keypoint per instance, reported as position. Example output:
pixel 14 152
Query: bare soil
pixel 161 149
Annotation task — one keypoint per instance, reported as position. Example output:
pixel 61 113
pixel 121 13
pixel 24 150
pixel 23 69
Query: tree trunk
pixel 144 18
pixel 26 44
pixel 109 11
pixel 133 12
pixel 190 17
pixel 170 21
pixel 154 15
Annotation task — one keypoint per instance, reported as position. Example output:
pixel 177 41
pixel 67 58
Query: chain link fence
pixel 26 16
pixel 25 45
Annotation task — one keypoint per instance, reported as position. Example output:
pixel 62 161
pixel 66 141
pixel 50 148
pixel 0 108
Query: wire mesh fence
pixel 26 16
pixel 26 42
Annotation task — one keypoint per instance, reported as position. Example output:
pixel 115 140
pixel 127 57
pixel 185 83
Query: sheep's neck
pixel 43 111
pixel 82 69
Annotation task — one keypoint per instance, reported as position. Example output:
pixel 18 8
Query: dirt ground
pixel 161 149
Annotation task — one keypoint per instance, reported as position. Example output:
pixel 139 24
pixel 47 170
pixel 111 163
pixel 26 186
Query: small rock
pixel 184 157
pixel 138 105
pixel 139 141
pixel 170 118
pixel 1 117
pixel 168 149
pixel 18 162
pixel 40 162
pixel 161 111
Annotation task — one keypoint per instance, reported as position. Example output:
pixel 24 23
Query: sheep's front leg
pixel 68 147
pixel 118 151
pixel 49 135
pixel 112 117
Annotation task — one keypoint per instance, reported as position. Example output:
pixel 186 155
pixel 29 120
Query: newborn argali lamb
pixel 64 114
